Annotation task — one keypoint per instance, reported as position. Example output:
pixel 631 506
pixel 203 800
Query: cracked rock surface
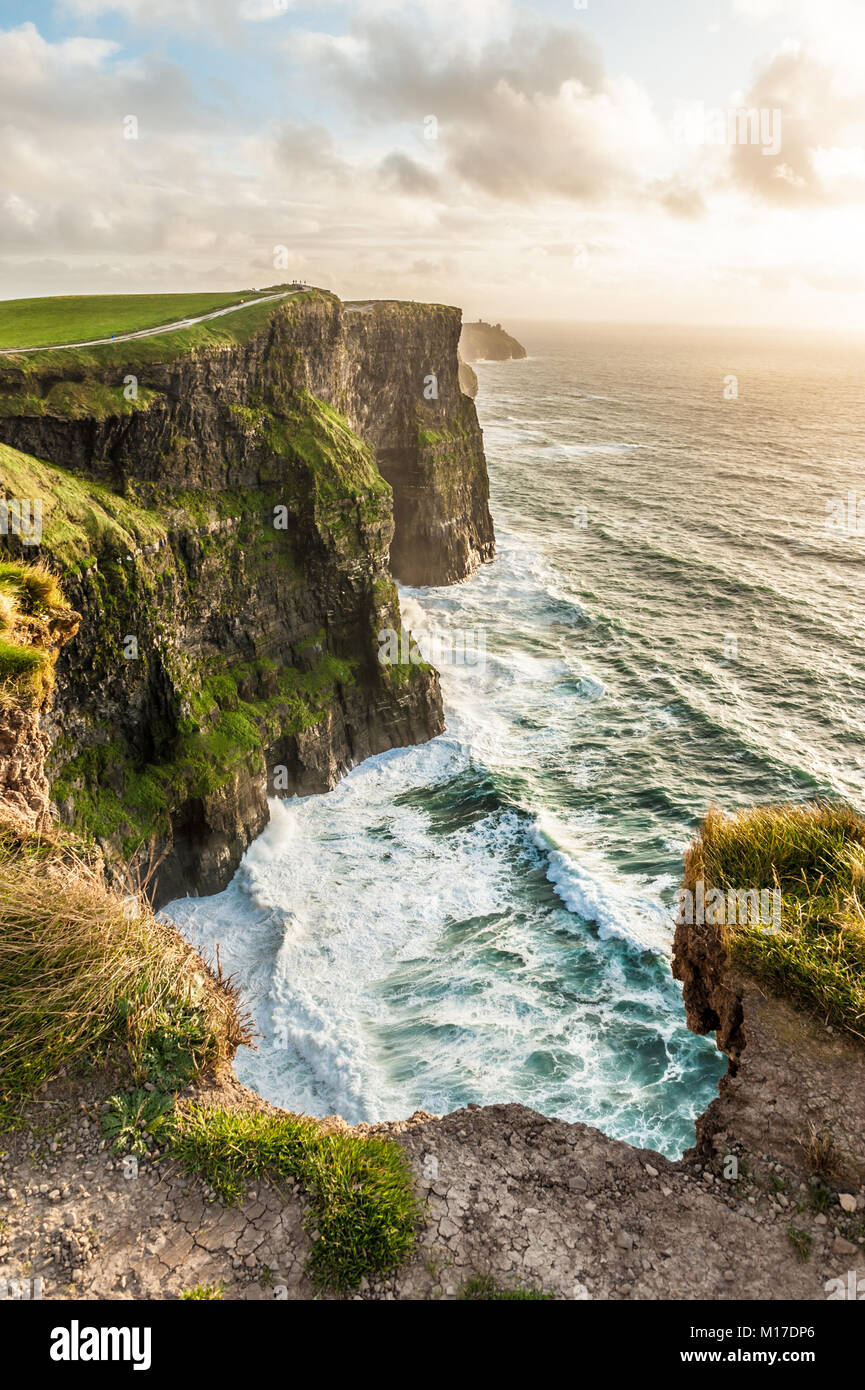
pixel 507 1193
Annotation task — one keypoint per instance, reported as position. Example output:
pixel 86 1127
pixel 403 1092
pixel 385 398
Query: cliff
pixel 227 510
pixel 35 622
pixel 506 1199
pixel 782 984
pixel 487 342
pixel 239 1200
pixel 468 379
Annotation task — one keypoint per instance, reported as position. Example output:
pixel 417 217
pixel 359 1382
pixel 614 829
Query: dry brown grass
pixel 820 1153
pixel 86 970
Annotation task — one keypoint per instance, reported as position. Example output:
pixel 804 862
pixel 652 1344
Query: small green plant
pixel 134 1117
pixel 176 1049
pixel 204 1291
pixel 484 1288
pixel 819 1196
pixel 801 1242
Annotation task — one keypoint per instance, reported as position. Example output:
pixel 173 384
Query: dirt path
pixel 162 328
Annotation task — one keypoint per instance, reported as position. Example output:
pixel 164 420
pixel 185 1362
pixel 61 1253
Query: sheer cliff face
pixel 228 541
pixel 391 369
pixel 426 440
pixel 794 1086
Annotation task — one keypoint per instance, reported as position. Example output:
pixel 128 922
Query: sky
pixel 551 160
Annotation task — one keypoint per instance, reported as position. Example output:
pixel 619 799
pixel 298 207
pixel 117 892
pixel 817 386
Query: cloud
pixel 527 116
pixel 822 112
pixel 309 152
pixel 680 198
pixel 393 69
pixel 218 16
pixel 545 160
pixel 404 175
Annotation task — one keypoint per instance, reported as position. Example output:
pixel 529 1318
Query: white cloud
pixel 541 152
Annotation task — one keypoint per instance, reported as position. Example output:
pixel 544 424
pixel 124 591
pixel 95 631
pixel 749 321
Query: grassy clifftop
pixel 809 863
pixel 75 320
pixel 71 318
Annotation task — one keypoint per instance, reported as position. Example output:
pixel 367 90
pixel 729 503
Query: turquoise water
pixel 669 624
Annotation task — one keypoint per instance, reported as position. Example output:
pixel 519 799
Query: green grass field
pixel 77 318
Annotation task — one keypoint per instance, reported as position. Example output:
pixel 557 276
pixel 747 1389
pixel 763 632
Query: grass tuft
pixel 483 1288
pixel 84 969
pixel 801 1242
pixel 364 1213
pixel 33 613
pixel 202 1292
pixel 815 855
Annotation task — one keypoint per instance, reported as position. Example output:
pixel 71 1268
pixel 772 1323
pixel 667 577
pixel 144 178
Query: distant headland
pixel 480 342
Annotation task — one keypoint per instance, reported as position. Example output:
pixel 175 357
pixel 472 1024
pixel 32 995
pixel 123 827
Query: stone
pixel 840 1246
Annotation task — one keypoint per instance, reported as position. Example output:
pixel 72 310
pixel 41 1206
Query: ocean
pixel 675 620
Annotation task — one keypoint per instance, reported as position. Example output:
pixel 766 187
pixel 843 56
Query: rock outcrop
pixel 468 379
pixel 24 701
pixel 488 342
pixel 403 396
pixel 794 1086
pixel 228 521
